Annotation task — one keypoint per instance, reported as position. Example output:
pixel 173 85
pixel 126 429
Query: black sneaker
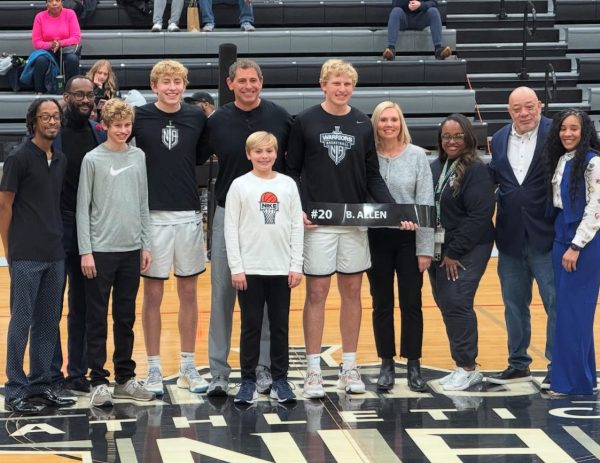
pixel 78 385
pixel 510 375
pixel 60 390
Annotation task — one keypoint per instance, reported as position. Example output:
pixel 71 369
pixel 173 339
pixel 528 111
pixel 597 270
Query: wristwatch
pixel 574 247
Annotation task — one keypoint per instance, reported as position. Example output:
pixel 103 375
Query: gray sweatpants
pixel 159 9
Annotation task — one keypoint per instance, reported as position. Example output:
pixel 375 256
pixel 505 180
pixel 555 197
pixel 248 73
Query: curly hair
pixel 469 154
pixel 31 116
pixel 554 149
pixel 110 87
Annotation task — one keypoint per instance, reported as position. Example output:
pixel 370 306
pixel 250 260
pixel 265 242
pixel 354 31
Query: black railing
pixel 502 13
pixel 549 90
pixel 527 32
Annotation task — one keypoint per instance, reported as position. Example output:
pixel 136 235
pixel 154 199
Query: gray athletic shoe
pixel 132 389
pixel 101 396
pixel 218 387
pixel 263 379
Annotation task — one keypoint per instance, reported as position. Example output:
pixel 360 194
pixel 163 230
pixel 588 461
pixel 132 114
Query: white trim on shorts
pixel 176 246
pixel 326 253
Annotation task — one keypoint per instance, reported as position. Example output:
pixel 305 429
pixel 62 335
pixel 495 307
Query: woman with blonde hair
pixel 398 253
pixel 105 82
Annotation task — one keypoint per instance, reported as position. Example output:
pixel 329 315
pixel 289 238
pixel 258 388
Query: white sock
pixel 153 361
pixel 314 361
pixel 348 361
pixel 187 361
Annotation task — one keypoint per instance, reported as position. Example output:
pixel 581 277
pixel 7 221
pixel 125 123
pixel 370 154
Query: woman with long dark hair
pixel 400 254
pixel 573 170
pixel 464 235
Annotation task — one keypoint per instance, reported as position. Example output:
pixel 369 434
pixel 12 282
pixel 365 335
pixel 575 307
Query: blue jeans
pixel 208 17
pixel 516 280
pixel 400 21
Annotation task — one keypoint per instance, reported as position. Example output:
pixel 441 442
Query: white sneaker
pixel 350 381
pixel 443 380
pixel 173 28
pixel 101 396
pixel 208 27
pixel 313 385
pixel 463 379
pixel 154 381
pixel 191 379
pixel 157 27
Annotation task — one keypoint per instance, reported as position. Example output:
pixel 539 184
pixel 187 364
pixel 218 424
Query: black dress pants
pixel 393 253
pixel 455 300
pixel 121 272
pixel 274 290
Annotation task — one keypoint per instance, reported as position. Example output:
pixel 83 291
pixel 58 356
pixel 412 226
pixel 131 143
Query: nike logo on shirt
pixel 116 172
pixel 360 122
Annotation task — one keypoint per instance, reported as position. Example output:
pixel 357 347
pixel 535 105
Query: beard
pixel 74 117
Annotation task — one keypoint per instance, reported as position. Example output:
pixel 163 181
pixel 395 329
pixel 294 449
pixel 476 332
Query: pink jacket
pixel 47 28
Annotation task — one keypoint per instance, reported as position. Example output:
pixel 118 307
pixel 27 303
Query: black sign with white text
pixel 370 214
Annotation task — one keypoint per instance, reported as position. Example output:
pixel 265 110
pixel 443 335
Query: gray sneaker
pixel 101 396
pixel 132 389
pixel 247 27
pixel 263 379
pixel 218 387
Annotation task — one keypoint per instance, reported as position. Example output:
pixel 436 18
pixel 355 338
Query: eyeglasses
pixel 45 118
pixel 446 137
pixel 79 96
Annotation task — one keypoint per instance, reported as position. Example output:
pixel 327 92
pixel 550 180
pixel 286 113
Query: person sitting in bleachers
pixel 415 15
pixel 56 30
pixel 246 15
pixel 158 11
pixel 105 83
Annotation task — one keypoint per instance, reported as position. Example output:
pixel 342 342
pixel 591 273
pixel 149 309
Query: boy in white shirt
pixel 264 238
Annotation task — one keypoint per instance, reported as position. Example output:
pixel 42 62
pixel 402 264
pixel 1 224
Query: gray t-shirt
pixel 112 201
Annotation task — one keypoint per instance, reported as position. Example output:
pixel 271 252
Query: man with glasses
pixel 76 137
pixel 524 229
pixel 31 231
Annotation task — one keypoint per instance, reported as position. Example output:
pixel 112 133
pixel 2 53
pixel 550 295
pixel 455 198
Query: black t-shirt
pixel 333 158
pixel 35 231
pixel 172 143
pixel 228 129
pixel 76 142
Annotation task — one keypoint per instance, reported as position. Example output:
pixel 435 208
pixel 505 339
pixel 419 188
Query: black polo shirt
pixel 35 231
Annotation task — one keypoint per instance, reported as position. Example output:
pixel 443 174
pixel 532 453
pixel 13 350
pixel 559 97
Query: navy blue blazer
pixel 523 210
pixel 99 135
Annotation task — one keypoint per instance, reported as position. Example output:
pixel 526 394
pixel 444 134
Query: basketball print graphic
pixel 269 205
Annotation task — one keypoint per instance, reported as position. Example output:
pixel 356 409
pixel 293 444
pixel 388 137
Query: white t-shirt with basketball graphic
pixel 264 231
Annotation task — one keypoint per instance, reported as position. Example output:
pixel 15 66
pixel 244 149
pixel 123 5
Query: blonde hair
pixel 168 68
pixel 116 109
pixel 336 67
pixel 110 86
pixel 403 136
pixel 260 138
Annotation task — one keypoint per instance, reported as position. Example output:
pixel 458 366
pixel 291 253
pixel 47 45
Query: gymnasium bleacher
pixel 294 37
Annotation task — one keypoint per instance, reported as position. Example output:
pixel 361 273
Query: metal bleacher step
pixel 282 42
pixel 514 64
pixel 535 80
pixel 492 6
pixel 491 21
pixel 500 95
pixel 414 101
pixel 508 50
pixel 504 35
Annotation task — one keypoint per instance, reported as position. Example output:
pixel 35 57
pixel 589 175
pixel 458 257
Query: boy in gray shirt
pixel 113 237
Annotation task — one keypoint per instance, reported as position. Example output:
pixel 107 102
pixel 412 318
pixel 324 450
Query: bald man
pixel 524 229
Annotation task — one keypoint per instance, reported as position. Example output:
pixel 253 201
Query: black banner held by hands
pixel 370 214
